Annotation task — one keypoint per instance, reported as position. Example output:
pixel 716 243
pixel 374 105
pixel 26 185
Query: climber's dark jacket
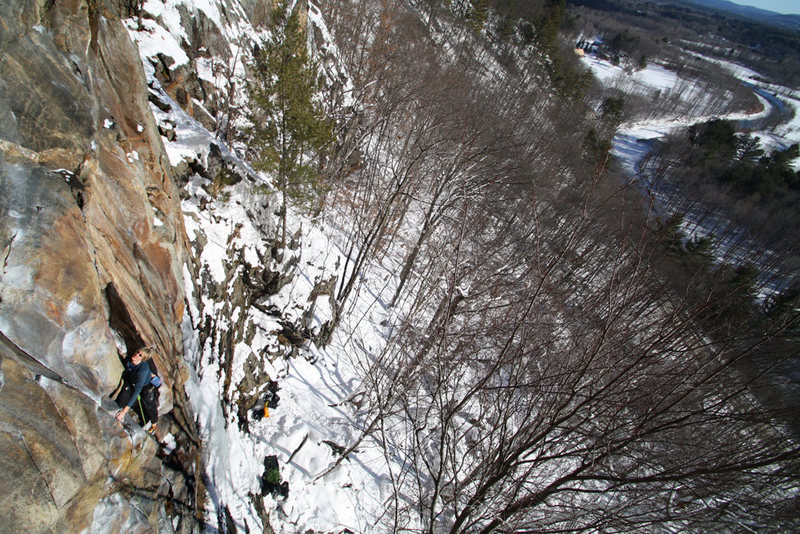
pixel 137 376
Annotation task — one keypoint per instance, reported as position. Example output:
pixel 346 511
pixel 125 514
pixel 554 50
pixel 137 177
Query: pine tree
pixel 289 130
pixel 479 14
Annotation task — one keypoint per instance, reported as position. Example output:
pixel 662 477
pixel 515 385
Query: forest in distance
pixel 649 28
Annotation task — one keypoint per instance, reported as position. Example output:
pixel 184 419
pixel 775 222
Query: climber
pixel 140 388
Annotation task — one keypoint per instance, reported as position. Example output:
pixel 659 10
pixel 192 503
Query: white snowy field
pixel 654 77
pixel 655 82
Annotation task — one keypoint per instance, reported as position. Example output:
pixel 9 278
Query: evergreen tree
pixel 288 129
pixel 478 14
pixel 611 114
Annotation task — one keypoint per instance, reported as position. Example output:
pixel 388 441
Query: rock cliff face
pixel 93 246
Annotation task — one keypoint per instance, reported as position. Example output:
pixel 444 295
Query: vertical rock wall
pixel 91 235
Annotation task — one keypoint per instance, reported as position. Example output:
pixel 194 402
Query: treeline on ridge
pixel 775 50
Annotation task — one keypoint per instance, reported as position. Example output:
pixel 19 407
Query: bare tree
pixel 579 401
pixel 545 376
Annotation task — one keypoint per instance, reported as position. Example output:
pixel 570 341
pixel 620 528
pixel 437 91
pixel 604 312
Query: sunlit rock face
pixel 92 247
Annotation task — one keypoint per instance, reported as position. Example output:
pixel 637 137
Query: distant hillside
pixel 767 42
pixel 761 15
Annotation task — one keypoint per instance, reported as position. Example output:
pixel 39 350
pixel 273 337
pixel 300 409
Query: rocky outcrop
pixel 93 246
pixel 204 82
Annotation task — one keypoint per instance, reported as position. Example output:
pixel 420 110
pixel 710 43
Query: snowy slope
pixel 321 390
pixel 314 416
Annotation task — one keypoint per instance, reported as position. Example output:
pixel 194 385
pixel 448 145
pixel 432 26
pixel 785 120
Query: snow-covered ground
pixel 653 77
pixel 656 83
pixel 314 415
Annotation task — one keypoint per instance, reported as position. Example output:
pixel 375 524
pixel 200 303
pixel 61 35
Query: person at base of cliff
pixel 138 390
